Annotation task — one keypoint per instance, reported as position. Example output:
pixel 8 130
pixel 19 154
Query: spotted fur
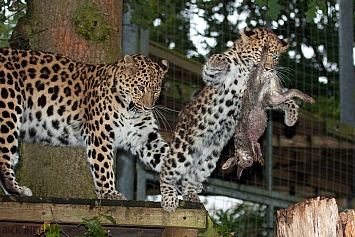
pixel 208 122
pixel 53 100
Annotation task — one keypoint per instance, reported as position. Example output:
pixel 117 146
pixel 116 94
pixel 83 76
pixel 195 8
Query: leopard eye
pixel 141 88
pixel 275 56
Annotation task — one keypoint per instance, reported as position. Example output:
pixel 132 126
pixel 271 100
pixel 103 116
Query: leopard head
pixel 252 42
pixel 140 82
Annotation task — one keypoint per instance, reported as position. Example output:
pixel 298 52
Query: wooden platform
pixel 24 216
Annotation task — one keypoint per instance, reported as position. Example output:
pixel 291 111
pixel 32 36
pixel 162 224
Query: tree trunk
pixel 314 217
pixel 87 31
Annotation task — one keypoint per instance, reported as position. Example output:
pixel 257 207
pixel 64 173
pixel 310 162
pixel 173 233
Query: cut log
pixel 348 222
pixel 315 217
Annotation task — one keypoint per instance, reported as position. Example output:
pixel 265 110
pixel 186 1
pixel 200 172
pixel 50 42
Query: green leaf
pixel 110 218
pixel 53 231
pixel 94 228
pixel 322 6
pixel 311 12
pixel 2 17
pixel 260 3
pixel 274 9
pixel 142 13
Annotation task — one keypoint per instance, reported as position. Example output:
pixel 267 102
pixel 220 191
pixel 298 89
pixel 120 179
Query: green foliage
pixel 321 108
pixel 52 230
pixel 142 13
pixel 89 22
pixel 243 220
pixel 172 27
pixel 10 12
pixel 95 228
pixel 274 8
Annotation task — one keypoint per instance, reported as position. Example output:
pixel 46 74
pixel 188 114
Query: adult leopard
pixel 54 100
pixel 208 122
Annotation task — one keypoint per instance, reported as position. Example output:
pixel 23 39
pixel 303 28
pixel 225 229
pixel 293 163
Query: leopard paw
pixel 192 197
pixel 112 196
pixel 169 202
pixel 218 62
pixel 215 68
pixel 24 191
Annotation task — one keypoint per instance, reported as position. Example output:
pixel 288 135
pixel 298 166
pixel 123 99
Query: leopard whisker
pixel 160 116
pixel 164 108
pixel 281 74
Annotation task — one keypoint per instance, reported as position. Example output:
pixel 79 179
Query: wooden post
pixel 315 217
pixel 348 223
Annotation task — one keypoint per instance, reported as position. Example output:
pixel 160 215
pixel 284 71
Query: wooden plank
pixel 304 141
pixel 24 229
pixel 125 213
pixel 320 182
pixel 175 58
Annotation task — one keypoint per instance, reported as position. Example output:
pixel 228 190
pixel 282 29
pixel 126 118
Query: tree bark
pixel 348 222
pixel 314 217
pixel 85 30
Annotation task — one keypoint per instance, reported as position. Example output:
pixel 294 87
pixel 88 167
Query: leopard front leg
pixel 169 197
pixel 172 172
pixel 190 190
pixel 154 151
pixel 215 68
pixel 100 157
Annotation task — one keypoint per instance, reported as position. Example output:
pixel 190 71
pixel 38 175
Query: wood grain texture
pixel 125 213
pixel 313 217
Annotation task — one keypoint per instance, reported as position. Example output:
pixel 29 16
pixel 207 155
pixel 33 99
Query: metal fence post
pixel 346 62
pixel 125 160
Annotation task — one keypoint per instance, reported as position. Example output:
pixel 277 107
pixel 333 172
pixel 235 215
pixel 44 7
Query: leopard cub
pixel 208 122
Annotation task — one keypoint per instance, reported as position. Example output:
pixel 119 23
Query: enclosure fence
pixel 313 158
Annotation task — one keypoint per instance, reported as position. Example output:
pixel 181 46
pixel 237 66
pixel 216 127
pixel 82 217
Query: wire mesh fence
pixel 313 158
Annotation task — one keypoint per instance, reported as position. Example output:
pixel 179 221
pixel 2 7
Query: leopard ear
pixel 246 33
pixel 164 64
pixel 285 44
pixel 130 64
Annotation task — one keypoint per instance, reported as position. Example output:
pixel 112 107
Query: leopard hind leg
pixel 8 159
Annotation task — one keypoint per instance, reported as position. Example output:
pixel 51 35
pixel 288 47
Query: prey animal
pixel 266 92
